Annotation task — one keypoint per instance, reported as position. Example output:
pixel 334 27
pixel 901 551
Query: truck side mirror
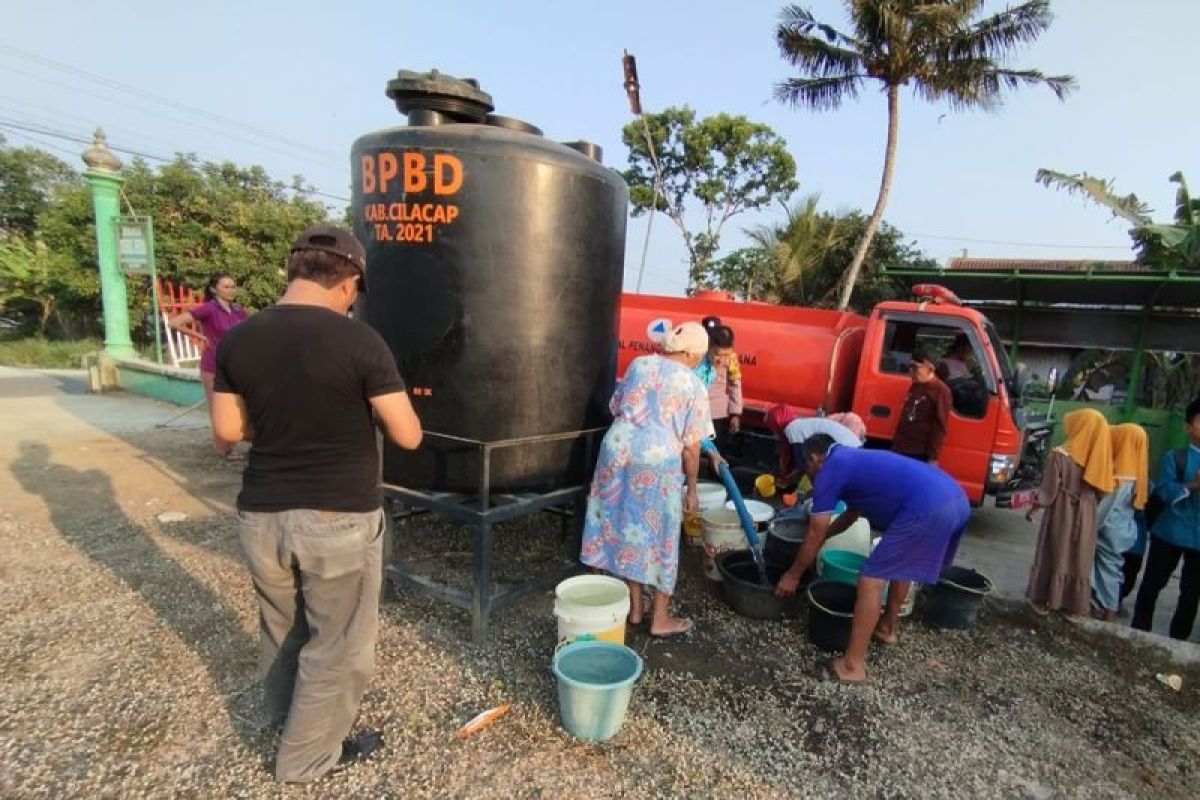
pixel 1052 380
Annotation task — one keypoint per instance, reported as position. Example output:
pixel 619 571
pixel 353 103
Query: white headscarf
pixel 687 337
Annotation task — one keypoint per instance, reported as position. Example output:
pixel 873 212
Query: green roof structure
pixel 1116 305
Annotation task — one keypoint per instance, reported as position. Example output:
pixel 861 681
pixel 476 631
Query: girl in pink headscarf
pixel 852 421
pixel 777 420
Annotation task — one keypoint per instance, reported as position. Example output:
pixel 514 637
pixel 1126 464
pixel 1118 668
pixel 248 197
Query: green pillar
pixel 1015 348
pixel 104 177
pixel 1134 390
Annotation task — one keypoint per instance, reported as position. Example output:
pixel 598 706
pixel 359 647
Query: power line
pixel 160 115
pixel 7 123
pixel 126 133
pixel 39 114
pixel 40 143
pixel 56 134
pixel 1019 244
pixel 161 99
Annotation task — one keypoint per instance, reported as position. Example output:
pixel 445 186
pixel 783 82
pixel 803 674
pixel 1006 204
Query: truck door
pixel 884 379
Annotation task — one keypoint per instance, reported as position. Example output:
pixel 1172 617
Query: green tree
pixel 40 283
pixel 941 49
pixel 750 272
pixel 801 245
pixel 1168 246
pixel 208 218
pixel 800 261
pixel 782 254
pixel 30 180
pixel 726 163
pixel 37 281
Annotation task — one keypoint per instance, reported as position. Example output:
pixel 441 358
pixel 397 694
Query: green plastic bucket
pixel 840 566
pixel 595 682
pixel 844 566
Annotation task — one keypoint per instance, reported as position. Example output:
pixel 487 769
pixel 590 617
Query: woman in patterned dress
pixel 646 475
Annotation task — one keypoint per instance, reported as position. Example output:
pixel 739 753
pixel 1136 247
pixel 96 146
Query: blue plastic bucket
pixel 595 681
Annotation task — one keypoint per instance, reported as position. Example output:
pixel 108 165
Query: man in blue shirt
pixel 922 513
pixel 1175 536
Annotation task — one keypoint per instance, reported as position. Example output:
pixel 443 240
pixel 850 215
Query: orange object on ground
pixel 483 720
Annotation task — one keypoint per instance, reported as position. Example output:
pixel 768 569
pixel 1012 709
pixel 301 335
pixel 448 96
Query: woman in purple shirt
pixel 208 323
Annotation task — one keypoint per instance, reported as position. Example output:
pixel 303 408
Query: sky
pixel 290 85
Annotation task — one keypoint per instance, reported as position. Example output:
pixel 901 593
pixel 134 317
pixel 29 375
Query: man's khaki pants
pixel 317 575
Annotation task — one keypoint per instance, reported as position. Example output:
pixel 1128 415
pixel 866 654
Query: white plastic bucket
pixel 722 528
pixel 759 511
pixel 721 532
pixel 592 604
pixel 710 495
pixel 856 539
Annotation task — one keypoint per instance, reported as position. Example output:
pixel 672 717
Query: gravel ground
pixel 127 669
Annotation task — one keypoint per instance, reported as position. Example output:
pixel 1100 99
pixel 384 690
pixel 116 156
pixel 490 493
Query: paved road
pixel 57 404
pixel 1000 544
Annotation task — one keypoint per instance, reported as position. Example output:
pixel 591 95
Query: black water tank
pixel 494 262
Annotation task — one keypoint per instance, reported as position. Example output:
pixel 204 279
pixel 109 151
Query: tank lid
pixel 459 99
pixel 589 149
pixel 508 123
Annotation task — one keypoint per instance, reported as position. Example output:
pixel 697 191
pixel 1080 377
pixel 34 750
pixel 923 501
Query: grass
pixel 35 351
pixel 42 353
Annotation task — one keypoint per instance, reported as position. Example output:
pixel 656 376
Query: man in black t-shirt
pixel 307 386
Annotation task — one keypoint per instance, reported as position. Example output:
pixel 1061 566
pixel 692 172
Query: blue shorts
pixel 917 547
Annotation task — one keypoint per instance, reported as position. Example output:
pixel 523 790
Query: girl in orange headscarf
pixel 1117 527
pixel 1077 475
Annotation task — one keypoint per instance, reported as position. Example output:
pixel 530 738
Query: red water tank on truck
pixel 823 362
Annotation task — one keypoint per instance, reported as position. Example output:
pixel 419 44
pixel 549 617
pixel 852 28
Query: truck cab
pixel 984 433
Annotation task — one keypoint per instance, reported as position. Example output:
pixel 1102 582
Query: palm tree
pixel 799 244
pixel 1173 245
pixel 1100 191
pixel 939 48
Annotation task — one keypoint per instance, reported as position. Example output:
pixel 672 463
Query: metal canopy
pixel 1122 289
pixel 1113 305
pixel 1107 305
pixel 1107 329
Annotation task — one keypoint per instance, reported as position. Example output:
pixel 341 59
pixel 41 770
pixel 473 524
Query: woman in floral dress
pixel 646 475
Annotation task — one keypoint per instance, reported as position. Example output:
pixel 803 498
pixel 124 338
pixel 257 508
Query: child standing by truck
pixel 1175 535
pixel 722 376
pixel 1117 516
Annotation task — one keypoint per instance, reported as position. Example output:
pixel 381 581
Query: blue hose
pixel 735 494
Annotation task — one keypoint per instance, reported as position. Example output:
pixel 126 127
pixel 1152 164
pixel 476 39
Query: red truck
pixel 823 362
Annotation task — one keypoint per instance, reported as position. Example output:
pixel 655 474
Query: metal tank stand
pixel 486 508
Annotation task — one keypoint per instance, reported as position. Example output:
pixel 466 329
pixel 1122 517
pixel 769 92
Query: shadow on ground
pixel 85 512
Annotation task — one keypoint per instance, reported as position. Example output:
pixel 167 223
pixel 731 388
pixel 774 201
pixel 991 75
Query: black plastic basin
pixel 830 614
pixel 784 538
pixel 953 602
pixel 746 595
